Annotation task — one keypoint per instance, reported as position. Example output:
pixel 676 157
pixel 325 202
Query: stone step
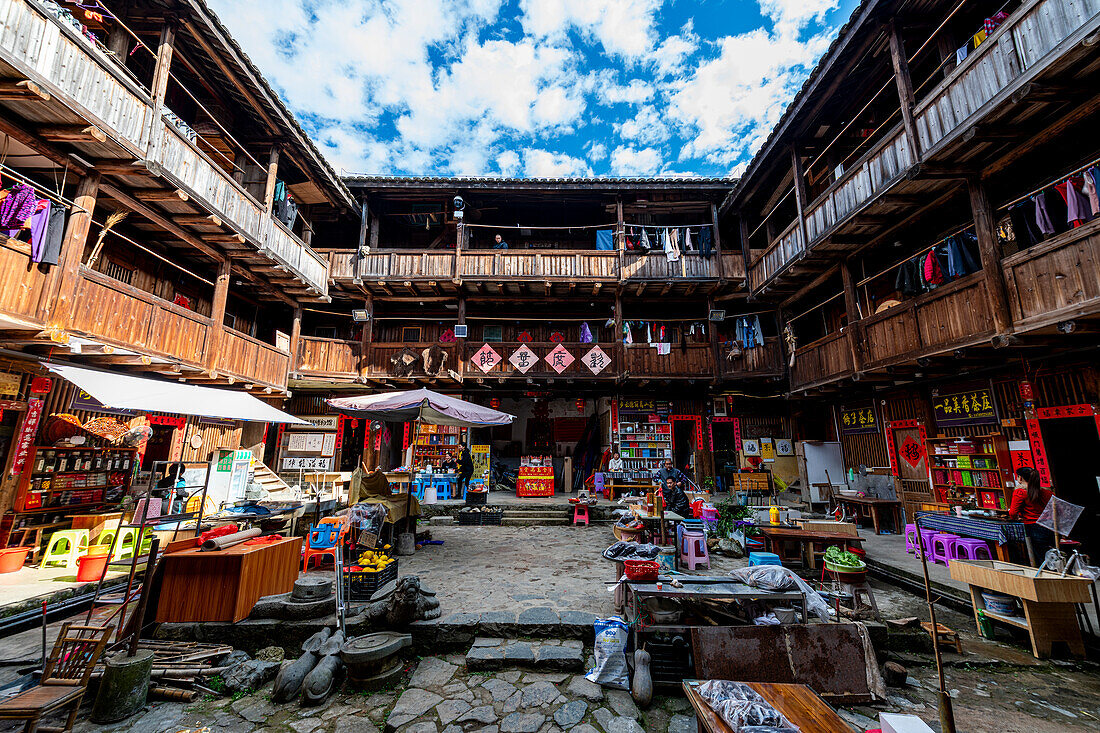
pixel 537 515
pixel 550 655
pixel 530 522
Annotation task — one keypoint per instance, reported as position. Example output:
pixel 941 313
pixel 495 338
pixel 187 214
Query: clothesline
pixel 612 225
pixel 41 190
pixel 160 257
pixel 666 226
pixel 902 261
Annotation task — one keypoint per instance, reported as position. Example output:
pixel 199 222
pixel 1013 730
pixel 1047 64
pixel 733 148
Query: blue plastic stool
pixel 417 488
pixel 442 487
pixel 764 558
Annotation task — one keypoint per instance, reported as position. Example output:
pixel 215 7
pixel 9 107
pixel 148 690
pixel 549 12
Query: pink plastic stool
pixel 693 549
pixel 971 549
pixel 911 538
pixel 580 514
pixel 943 547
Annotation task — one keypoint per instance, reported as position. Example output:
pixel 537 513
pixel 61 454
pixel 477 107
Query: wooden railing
pixel 71 67
pixel 287 248
pixel 327 357
pixel 766 360
pixel 1055 280
pixel 1033 38
pixel 551 265
pixel 378 359
pixel 786 247
pixel 643 360
pixel 824 360
pixel 24 290
pixel 126 316
pixel 540 363
pixel 252 360
pixel 949 317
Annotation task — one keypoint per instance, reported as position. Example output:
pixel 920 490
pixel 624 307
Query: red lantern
pixel 580 404
pixel 494 403
pixel 41 385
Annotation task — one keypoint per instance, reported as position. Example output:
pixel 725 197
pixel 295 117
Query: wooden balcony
pixel 762 361
pixel 826 360
pixel 177 339
pixel 1038 39
pixel 74 91
pixel 1056 280
pixel 26 302
pixel 321 357
pixel 547 272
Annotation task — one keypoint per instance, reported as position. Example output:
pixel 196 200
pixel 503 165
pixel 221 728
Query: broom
pixel 112 220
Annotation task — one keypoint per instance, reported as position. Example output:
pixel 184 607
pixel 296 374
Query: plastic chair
pixel 971 549
pixel 910 538
pixel 65 547
pixel 943 545
pixel 926 536
pixel 692 548
pixel 764 558
pixel 322 541
pixel 442 487
pixel 580 514
pixel 417 488
pixel 598 486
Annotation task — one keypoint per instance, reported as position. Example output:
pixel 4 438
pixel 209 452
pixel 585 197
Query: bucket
pixel 90 567
pixel 97 550
pixel 998 603
pixel 785 615
pixel 667 559
pixel 12 558
pixel 431 496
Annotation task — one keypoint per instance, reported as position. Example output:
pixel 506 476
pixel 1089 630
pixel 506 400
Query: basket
pixel 1000 604
pixel 492 518
pixel 642 571
pixel 360 585
pixel 469 519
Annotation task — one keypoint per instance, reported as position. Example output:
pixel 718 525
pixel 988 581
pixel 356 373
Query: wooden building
pixel 921 218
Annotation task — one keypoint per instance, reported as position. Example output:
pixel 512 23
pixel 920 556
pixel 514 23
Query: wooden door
pixel 906 442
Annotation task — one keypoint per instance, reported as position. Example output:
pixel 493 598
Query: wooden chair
pixel 64 679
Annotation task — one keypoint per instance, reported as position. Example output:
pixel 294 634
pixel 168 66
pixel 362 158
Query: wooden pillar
pixel 905 91
pixel 851 305
pixel 712 332
pixel 717 238
pixel 217 314
pixel 619 333
pixel 72 249
pixel 620 225
pixel 460 235
pixel 372 243
pixel 746 250
pixel 366 338
pixel 985 226
pixel 272 176
pixel 460 343
pixel 295 337
pixel 161 74
pixel 364 242
pixel 800 199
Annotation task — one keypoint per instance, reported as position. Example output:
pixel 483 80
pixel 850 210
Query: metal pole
pixel 44 635
pixel 947 716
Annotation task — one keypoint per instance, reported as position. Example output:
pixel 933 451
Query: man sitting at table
pixel 676 500
pixel 668 472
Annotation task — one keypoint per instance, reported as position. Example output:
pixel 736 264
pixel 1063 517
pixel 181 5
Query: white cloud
pixel 668 57
pixel 649 127
pixel 625 28
pixel 545 164
pixel 596 151
pixel 629 161
pixel 634 92
pixel 509 163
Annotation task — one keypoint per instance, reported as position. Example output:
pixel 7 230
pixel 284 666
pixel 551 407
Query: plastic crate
pixel 361 585
pixel 469 519
pixel 476 498
pixel 493 518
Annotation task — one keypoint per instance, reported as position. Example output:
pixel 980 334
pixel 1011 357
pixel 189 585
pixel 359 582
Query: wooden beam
pixel 217 313
pixel 225 238
pixel 800 196
pixel 159 87
pixel 72 133
pixel 904 84
pixel 20 91
pixel 119 168
pixel 160 194
pixel 985 227
pixel 272 175
pixel 209 220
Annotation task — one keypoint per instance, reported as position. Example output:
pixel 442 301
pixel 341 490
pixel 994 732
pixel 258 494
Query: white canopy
pixel 126 392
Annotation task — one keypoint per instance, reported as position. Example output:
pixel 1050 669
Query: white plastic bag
pixel 610 653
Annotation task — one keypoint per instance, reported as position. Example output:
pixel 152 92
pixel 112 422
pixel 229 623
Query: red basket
pixel 642 571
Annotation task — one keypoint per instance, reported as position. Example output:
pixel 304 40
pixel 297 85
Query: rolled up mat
pixel 221 543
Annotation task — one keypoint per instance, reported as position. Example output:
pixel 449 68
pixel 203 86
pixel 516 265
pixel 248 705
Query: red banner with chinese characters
pixel 535 481
pixel 1038 451
pixel 25 441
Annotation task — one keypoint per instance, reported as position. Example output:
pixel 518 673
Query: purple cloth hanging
pixel 586 333
pixel 40 220
pixel 1042 218
pixel 17 208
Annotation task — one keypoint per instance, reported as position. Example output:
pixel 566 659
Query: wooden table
pixel 641 514
pixel 224 585
pixel 874 506
pixel 798 704
pixel 776 537
pixel 1047 598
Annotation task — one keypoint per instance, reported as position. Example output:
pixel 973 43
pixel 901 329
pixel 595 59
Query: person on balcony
pixel 500 243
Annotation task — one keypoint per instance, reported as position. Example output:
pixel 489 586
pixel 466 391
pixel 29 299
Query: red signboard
pixel 1038 452
pixel 912 451
pixel 25 441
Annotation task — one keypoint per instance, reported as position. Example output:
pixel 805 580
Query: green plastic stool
pixel 124 547
pixel 66 545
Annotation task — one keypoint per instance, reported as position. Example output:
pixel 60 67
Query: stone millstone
pixel 311 589
pixel 385 678
pixel 378 647
pixel 124 687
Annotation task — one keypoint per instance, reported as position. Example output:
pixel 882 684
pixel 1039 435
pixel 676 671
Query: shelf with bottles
pixel 968 467
pixel 77 477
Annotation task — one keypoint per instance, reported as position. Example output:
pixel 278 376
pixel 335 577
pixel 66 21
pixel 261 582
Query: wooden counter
pixel 224 585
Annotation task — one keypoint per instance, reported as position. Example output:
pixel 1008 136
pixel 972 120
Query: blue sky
pixel 536 87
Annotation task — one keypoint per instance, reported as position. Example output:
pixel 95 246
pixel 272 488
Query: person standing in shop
pixel 1028 501
pixel 465 470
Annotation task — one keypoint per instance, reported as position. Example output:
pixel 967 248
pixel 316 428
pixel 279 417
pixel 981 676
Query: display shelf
pixel 47 483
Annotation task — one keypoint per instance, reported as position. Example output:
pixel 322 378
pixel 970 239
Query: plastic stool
pixel 911 538
pixel 943 545
pixel 442 488
pixel 971 549
pixel 693 549
pixel 65 547
pixel 580 514
pixel 105 538
pixel 764 558
pixel 125 544
pixel 926 536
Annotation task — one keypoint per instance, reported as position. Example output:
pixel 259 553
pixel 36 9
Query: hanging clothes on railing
pixel 959 252
pixel 688 246
pixel 17 208
pixel 1078 208
pixel 644 242
pixel 910 280
pixel 1091 187
pixel 672 245
pixel 706 242
pixel 1024 227
pixel 628 335
pixel 586 333
pixel 932 270
pixel 605 239
pixel 747 331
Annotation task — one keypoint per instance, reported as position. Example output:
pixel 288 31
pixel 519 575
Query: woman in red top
pixel 1028 501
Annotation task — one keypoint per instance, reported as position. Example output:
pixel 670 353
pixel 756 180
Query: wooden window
pixel 118 272
pixel 492 333
pixel 410 334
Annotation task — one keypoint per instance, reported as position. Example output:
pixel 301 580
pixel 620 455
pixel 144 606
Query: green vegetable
pixel 843 558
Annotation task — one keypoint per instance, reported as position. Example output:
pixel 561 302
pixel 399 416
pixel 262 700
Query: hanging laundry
pixel 1023 224
pixel 1091 186
pixel 932 269
pixel 993 22
pixel 1078 209
pixel 49 250
pixel 706 242
pixel 664 349
pixel 1042 216
pixel 605 239
pixel 961 53
pixel 644 242
pixel 748 332
pixel 909 281
pixel 586 333
pixel 688 246
pixel 17 208
pixel 960 255
pixel 648 334
pixel 38 224
pixel 979 37
pixel 628 335
pixel 672 245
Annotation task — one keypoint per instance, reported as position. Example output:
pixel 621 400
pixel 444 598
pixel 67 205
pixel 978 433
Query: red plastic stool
pixel 580 514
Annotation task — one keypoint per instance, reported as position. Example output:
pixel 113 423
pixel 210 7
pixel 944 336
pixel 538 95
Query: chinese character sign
pixel 559 359
pixel 912 451
pixel 25 441
pixel 523 359
pixel 1038 452
pixel 486 358
pixel 596 360
pixel 858 420
pixel 966 408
